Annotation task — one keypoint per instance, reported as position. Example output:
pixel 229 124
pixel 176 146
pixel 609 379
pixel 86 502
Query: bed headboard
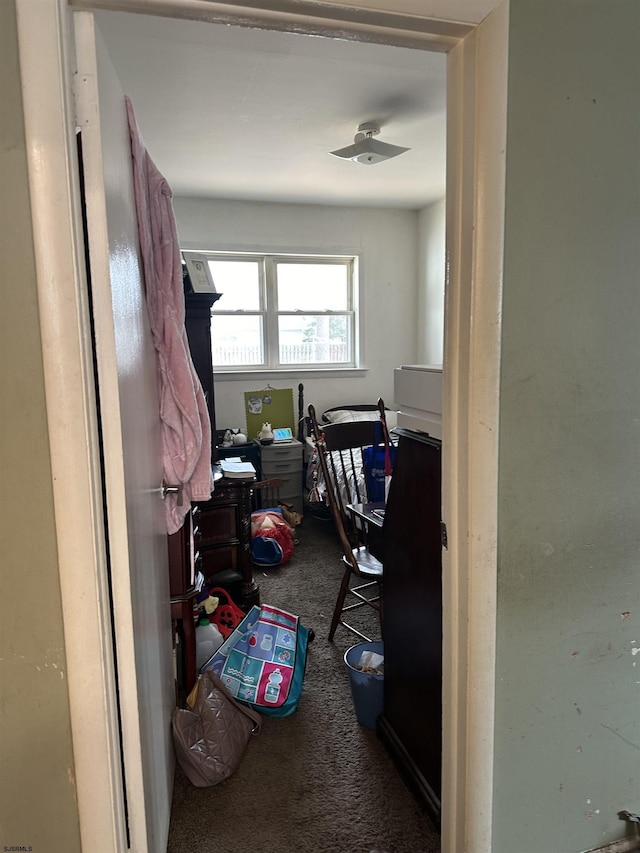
pixel 304 426
pixel 352 407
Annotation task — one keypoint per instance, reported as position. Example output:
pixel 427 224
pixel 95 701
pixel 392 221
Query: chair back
pixel 344 445
pixel 266 493
pixel 337 511
pixel 339 449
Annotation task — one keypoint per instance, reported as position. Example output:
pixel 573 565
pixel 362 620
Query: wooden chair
pixel 339 447
pixel 266 493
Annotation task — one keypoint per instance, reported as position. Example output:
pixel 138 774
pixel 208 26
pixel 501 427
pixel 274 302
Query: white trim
pixel 475 238
pixel 302 16
pixel 90 120
pixel 625 845
pixel 470 463
pixel 44 43
pixel 281 375
pixel 268 310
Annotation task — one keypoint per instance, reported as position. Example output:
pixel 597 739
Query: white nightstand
pixel 284 461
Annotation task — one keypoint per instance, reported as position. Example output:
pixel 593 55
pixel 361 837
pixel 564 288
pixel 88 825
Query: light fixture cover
pixel 368 150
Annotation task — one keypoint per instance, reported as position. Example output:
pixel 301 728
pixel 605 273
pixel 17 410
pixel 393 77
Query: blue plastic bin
pixel 367 689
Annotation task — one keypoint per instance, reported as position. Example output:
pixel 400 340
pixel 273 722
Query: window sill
pixel 295 373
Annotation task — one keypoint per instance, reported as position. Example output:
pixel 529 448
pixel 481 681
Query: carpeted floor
pixel 315 782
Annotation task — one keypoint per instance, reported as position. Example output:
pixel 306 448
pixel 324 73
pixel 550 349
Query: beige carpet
pixel 315 782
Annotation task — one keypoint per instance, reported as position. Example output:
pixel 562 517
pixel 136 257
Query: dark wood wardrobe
pixel 411 724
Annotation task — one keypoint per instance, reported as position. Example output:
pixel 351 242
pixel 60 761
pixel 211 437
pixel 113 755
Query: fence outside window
pixel 311 353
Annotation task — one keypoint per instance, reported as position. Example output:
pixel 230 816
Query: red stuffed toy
pixel 271 525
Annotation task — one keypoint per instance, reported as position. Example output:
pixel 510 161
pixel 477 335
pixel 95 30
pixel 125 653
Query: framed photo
pixel 199 273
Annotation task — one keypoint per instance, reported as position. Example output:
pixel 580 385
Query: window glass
pixel 239 284
pixel 314 339
pixel 312 287
pixel 236 340
pixel 276 311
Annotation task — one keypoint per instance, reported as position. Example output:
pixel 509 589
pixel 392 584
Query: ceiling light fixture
pixel 366 149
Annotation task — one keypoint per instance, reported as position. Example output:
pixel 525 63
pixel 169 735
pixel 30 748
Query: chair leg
pixel 344 588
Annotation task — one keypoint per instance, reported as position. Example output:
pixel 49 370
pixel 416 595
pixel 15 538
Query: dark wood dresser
pixel 183 591
pixel 411 723
pixel 215 539
pixel 222 537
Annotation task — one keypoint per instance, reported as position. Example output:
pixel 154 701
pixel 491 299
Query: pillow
pixel 391 419
pixel 339 416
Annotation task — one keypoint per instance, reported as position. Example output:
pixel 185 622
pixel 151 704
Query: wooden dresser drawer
pixel 216 525
pixel 214 560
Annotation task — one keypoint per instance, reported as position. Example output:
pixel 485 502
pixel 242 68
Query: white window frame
pixel 269 312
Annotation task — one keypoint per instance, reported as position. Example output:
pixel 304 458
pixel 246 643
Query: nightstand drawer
pixel 291 484
pixel 282 469
pixel 281 453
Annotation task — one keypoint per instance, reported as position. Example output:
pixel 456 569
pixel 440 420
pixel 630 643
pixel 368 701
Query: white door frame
pixel 45 45
pixel 475 201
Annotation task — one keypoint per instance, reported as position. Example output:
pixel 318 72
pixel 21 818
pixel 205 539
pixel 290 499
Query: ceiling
pixel 239 113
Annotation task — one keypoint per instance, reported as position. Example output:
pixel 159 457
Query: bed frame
pixel 304 425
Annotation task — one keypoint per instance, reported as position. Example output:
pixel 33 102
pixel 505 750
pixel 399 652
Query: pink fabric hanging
pixel 186 428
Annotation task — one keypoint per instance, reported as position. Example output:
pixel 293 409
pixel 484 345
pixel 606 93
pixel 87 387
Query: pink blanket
pixel 186 428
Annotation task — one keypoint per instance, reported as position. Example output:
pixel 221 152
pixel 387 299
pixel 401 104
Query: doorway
pixel 246 119
pixel 469 389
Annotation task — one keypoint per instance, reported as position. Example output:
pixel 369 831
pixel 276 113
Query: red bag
pixel 227 615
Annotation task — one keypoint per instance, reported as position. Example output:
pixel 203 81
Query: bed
pixel 340 414
pixel 314 486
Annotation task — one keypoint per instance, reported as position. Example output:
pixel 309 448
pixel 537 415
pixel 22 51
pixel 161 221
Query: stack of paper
pixel 236 469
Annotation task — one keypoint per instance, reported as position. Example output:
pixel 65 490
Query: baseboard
pixel 625 845
pixel 408 769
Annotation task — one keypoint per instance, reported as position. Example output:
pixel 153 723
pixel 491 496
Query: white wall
pixel 567 734
pixel 387 243
pixel 431 266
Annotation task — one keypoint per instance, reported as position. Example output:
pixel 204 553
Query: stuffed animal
pixel 209 604
pixel 292 517
pixel 271 538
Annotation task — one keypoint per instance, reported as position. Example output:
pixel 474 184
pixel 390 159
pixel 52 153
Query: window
pixel 280 312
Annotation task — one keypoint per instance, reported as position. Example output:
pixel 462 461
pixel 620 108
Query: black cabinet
pixel 411 724
pixel 197 322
